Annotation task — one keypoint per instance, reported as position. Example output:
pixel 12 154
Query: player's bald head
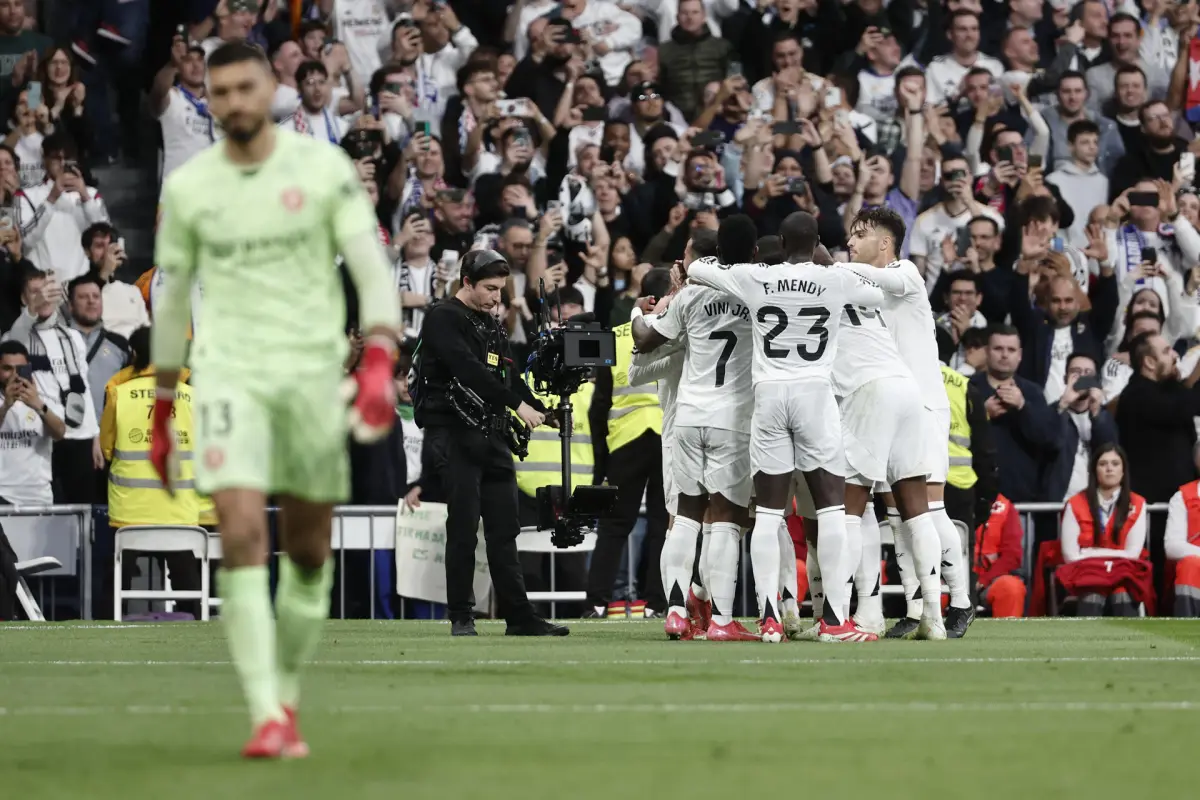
pixel 798 234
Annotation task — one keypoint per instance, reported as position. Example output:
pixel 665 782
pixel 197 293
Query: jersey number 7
pixel 730 339
pixel 819 315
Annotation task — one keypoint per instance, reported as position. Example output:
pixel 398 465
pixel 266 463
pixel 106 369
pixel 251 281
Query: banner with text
pixel 421 556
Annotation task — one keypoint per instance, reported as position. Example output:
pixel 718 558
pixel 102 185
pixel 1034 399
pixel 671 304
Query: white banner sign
pixel 421 556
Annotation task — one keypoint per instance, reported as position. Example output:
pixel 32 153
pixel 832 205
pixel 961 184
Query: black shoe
pixel 906 628
pixel 536 627
pixel 463 627
pixel 958 620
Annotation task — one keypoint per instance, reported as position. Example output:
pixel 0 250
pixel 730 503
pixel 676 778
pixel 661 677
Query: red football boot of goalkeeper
pixel 374 409
pixel 162 441
pixel 269 740
pixel 294 745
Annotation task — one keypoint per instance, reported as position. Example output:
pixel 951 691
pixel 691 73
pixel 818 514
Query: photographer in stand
pixel 465 385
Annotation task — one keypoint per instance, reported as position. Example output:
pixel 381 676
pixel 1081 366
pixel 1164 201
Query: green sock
pixel 301 606
pixel 250 627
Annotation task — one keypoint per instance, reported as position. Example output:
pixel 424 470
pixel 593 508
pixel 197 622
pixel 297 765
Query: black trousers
pixel 476 473
pixel 634 469
pixel 73 471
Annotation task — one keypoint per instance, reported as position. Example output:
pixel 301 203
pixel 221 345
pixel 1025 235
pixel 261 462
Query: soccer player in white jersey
pixel 883 423
pixel 712 442
pixel 875 238
pixel 795 308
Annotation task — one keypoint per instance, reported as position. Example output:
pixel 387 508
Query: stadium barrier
pixel 68 533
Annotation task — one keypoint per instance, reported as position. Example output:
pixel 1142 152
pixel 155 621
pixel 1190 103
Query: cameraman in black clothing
pixel 473 467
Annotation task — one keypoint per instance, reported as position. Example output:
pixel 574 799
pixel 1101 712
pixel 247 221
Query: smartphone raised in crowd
pixel 1004 153
pixel 33 95
pixel 25 372
pixel 1035 161
pixel 962 241
pixel 1146 199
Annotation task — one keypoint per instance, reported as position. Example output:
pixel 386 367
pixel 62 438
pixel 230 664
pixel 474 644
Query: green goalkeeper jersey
pixel 263 241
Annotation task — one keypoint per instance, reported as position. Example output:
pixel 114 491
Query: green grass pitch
pixel 1056 709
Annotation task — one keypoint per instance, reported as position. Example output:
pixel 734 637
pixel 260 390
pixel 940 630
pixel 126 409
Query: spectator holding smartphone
pixel 417 279
pixel 28 427
pixel 946 219
pixel 1085 425
pixel 179 99
pixel 30 127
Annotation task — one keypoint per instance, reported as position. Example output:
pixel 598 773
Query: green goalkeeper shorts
pixel 285 437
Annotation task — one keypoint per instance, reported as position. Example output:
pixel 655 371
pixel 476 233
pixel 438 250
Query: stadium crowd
pixel 1041 154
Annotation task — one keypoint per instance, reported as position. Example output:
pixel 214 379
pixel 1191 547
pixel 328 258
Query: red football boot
pixel 733 632
pixel 294 745
pixel 771 631
pixel 677 627
pixel 846 632
pixel 699 612
pixel 268 741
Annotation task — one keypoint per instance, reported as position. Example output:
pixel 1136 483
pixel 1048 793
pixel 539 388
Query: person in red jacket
pixel 1182 546
pixel 1103 534
pixel 997 558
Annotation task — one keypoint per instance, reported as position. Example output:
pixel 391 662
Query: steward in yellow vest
pixel 961 474
pixel 634 409
pixel 971 483
pixel 543 465
pixel 135 494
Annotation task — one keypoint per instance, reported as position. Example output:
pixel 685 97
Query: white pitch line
pixel 627 708
pixel 500 662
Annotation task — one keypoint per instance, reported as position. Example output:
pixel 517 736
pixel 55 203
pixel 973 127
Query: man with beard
pixel 1156 158
pixel 315 116
pixel 1072 107
pixel 692 58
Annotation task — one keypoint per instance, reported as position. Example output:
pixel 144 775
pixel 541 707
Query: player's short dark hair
pixel 1079 127
pixel 882 217
pixel 479 265
pixel 798 233
pixel 973 338
pixel 12 347
pixel 770 249
pixel 737 239
pixel 98 229
pixel 1002 329
pixel 83 280
pixel 232 53
pixel 656 282
pixel 704 243
pixel 1139 350
pixel 960 275
pixel 308 68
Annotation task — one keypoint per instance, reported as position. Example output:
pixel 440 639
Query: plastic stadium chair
pixel 161 539
pixel 531 540
pixel 33 612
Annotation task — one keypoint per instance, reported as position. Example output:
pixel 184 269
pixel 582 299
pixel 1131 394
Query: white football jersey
pixel 796 310
pixel 908 315
pixel 716 389
pixel 666 364
pixel 866 351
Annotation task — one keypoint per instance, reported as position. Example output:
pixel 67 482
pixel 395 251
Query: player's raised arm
pixel 728 278
pixel 861 291
pixel 889 279
pixel 667 325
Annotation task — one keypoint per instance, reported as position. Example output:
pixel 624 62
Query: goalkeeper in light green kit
pixel 259 220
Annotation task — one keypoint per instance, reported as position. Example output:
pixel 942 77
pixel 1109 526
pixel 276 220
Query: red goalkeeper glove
pixel 374 408
pixel 162 442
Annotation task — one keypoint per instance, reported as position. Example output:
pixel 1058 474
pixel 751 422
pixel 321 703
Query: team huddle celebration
pixel 798 372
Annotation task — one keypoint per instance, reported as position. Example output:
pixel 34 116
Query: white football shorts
pixel 796 427
pixel 670 489
pixel 713 461
pixel 884 429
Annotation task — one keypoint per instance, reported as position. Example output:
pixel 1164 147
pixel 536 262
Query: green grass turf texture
pixel 1050 708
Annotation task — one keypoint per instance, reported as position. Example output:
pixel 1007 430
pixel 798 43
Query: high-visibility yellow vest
pixel 961 474
pixel 635 409
pixel 543 465
pixel 135 494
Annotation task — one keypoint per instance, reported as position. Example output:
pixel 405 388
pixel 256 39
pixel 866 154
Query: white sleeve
pixel 933 87
pixel 1136 540
pixel 861 291
pixel 722 278
pixel 672 323
pixel 890 279
pixel 918 242
pixel 1175 541
pixel 629 30
pixel 650 367
pixel 1068 536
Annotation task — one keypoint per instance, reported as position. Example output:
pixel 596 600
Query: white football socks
pixel 866 576
pixel 789 602
pixel 904 562
pixel 853 555
pixel 764 560
pixel 701 589
pixel 816 586
pixel 831 552
pixel 679 554
pixel 927 557
pixel 953 571
pixel 724 549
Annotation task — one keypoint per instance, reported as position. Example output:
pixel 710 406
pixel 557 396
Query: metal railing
pixel 83 535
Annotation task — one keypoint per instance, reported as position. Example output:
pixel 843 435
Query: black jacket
pixel 1158 434
pixel 457 342
pixel 1088 331
pixel 1057 478
pixel 1025 439
pixel 983 454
